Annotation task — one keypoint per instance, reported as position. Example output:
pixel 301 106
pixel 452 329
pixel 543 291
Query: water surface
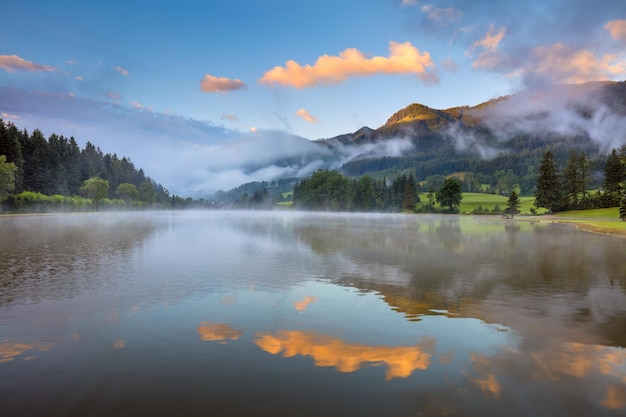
pixel 250 314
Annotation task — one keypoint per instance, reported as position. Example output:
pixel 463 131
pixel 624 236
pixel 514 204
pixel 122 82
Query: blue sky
pixel 192 75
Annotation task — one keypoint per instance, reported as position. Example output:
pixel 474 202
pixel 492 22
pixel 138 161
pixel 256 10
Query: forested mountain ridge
pixel 505 133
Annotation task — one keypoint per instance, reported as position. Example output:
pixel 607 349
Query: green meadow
pixel 474 201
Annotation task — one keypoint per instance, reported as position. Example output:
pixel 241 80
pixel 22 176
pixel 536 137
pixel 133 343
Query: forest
pixel 54 173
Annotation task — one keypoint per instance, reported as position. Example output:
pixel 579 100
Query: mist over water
pixel 288 313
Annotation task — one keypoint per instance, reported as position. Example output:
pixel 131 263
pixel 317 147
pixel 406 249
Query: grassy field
pixel 598 220
pixel 605 213
pixel 472 201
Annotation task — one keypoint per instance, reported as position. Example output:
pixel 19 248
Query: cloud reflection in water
pixel 401 361
pixel 217 332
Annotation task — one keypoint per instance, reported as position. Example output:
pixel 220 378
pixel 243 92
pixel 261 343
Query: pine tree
pixel 613 177
pixel 513 204
pixel 549 189
pixel 622 208
pixel 410 194
pixel 571 179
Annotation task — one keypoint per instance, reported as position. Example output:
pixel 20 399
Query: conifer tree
pixel 410 194
pixel 549 189
pixel 614 175
pixel 513 204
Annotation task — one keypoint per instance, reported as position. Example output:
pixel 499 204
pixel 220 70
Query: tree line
pixel 332 191
pixel 567 188
pixel 53 172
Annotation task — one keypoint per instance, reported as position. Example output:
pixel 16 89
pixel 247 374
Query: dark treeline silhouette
pixel 332 191
pixel 58 166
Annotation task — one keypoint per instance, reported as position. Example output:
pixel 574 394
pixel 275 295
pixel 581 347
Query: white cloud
pixel 121 70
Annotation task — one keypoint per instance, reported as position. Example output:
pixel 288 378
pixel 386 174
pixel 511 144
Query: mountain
pixel 505 133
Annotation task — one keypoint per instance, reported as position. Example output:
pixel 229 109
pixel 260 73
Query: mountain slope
pixel 506 133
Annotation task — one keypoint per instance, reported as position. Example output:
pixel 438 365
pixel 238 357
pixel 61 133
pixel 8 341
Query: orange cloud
pixel 9 351
pixel 401 361
pixel 307 116
pixel 12 63
pixel 570 66
pixel 491 41
pixel 403 58
pixel 617 29
pixel 136 105
pixel 211 84
pixel 121 70
pixel 488 58
pixel 302 305
pixel 615 397
pixel 113 95
pixel 488 385
pixel 217 331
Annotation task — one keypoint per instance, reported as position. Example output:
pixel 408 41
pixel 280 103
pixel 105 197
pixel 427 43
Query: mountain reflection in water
pixel 309 314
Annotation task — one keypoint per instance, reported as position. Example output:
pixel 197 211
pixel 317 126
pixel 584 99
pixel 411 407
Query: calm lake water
pixel 300 314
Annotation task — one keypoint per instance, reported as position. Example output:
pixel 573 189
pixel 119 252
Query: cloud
pixel 5 115
pixel 302 305
pixel 489 58
pixel 409 2
pixel 229 117
pixel 617 29
pixel 136 105
pixel 491 41
pixel 209 331
pixel 401 361
pixel 559 63
pixel 561 109
pixel 302 113
pixel 450 65
pixel 71 62
pixel 113 95
pixel 79 78
pixel 440 14
pixel 10 350
pixel 464 29
pixel 403 58
pixel 253 129
pixel 203 157
pixel 211 84
pixel 121 70
pixel 13 63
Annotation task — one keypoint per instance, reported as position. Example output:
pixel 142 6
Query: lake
pixel 303 314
